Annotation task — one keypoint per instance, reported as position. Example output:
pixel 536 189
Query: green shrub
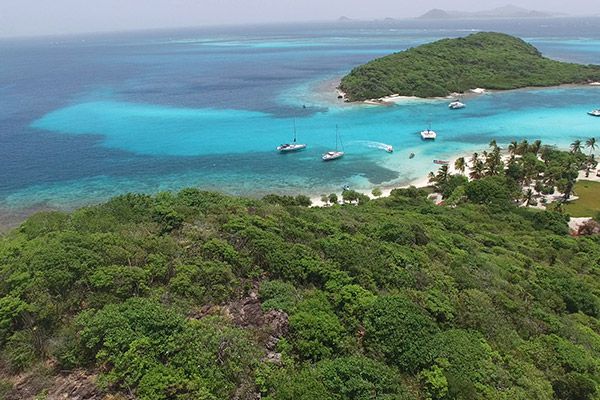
pixel 398 330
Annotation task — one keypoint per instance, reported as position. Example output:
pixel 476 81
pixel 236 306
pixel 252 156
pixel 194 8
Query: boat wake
pixel 372 145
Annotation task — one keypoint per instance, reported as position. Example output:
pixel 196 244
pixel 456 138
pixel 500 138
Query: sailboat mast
pixel 336 137
pixel 294 130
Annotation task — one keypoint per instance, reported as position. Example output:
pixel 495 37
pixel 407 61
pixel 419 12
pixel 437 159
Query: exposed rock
pixel 588 228
pixel 270 326
pixel 248 313
pixel 77 385
pixel 576 223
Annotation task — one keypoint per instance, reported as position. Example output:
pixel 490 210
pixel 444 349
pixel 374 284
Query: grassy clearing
pixel 588 204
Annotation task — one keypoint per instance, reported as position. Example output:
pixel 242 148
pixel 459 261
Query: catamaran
pixel 428 134
pixel 291 147
pixel 456 105
pixel 334 155
pixel 595 113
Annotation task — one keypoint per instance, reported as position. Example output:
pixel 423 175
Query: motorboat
pixel 291 147
pixel 389 149
pixel 595 113
pixel 334 154
pixel 456 105
pixel 428 135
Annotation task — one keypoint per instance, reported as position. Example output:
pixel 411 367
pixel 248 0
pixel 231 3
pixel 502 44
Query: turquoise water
pixel 166 111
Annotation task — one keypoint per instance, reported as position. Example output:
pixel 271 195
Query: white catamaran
pixel 334 155
pixel 456 105
pixel 595 113
pixel 428 134
pixel 291 147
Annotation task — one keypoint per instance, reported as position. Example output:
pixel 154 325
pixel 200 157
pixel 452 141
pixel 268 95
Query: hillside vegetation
pixel 486 60
pixel 195 295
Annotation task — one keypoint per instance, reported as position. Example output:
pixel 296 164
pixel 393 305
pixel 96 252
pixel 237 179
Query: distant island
pixel 509 11
pixel 482 60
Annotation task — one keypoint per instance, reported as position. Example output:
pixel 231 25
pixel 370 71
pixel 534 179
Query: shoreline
pixel 471 93
pixel 11 219
pixel 322 93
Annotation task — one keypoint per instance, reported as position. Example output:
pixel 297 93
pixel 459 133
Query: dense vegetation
pixel 534 171
pixel 481 60
pixel 197 295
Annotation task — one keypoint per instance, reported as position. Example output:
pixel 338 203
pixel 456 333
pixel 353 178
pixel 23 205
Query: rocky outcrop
pixel 77 385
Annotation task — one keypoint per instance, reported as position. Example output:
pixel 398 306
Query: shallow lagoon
pixel 108 115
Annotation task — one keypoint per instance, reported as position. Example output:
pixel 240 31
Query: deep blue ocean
pixel 84 118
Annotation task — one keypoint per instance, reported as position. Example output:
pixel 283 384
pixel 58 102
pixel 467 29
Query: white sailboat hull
pixel 288 148
pixel 332 155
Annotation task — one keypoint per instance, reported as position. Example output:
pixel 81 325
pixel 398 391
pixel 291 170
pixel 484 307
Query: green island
pixel 198 295
pixel 481 60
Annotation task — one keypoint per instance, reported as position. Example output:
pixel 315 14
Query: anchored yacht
pixel 595 113
pixel 291 147
pixel 456 105
pixel 334 154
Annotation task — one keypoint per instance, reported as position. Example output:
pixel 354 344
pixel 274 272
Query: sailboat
pixel 334 155
pixel 291 147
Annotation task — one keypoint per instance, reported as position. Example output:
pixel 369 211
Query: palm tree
pixel 529 198
pixel 474 158
pixel 591 161
pixel 523 147
pixel 591 144
pixel 576 146
pixel 477 170
pixel 494 163
pixel 545 151
pixel 493 144
pixel 512 147
pixel 443 175
pixel 440 179
pixel 431 177
pixel 459 165
pixel 536 146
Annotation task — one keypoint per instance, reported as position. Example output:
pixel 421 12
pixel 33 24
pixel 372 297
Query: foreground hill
pixel 488 60
pixel 201 296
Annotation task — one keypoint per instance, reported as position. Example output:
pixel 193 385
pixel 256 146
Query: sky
pixel 49 17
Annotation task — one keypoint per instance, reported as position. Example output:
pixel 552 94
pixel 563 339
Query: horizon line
pixel 339 20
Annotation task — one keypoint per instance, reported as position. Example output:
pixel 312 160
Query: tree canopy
pixel 481 60
pixel 196 295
